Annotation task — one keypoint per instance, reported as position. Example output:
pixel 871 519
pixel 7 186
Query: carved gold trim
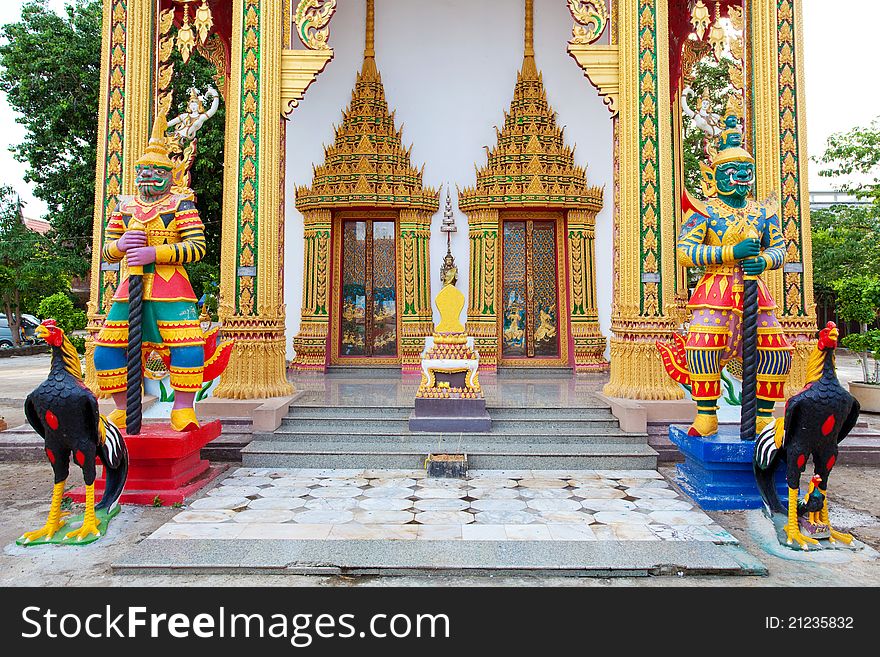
pixel 601 65
pixel 299 68
pixel 590 17
pixel 312 18
pixel 589 343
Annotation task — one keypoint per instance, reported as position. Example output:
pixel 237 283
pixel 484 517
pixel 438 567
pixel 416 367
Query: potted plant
pixel 858 299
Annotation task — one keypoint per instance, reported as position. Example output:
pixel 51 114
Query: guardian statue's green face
pixel 153 181
pixel 734 181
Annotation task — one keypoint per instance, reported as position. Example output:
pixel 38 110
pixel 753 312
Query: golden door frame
pixel 335 338
pixel 563 301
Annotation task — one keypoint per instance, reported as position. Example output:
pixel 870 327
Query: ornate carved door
pixel 368 294
pixel 530 295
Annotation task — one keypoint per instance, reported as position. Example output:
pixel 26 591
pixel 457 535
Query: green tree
pixel 852 158
pixel 50 71
pixel 846 242
pixel 29 267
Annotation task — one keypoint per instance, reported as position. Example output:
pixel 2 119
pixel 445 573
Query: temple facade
pixel 558 127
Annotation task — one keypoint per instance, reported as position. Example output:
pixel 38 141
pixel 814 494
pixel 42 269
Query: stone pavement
pixel 126 557
pixel 491 505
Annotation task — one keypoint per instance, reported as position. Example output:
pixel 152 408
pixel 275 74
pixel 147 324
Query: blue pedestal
pixel 717 471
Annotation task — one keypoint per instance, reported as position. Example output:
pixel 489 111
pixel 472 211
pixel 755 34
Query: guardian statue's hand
pixel 132 239
pixel 748 248
pixel 754 266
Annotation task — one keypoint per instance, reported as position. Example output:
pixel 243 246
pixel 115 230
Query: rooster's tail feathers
pixel 768 448
pixel 114 456
pixel 768 443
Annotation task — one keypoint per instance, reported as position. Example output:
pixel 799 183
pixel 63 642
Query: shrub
pixel 60 308
pixel 78 342
pixel 866 346
pixel 858 298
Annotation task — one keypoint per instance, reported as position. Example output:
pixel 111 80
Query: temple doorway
pixel 368 327
pixel 532 321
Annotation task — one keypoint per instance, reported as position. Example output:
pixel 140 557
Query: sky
pixel 839 94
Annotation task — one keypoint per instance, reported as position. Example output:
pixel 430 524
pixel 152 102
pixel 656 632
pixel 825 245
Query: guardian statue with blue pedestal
pixel 733 320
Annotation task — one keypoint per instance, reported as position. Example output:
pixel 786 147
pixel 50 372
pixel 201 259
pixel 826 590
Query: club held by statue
pixel 749 409
pixel 133 409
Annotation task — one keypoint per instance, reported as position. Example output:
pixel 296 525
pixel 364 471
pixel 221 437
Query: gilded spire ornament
pixel 530 165
pixel 367 164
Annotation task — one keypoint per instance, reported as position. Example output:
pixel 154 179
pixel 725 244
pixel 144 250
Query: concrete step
pixel 432 558
pixel 371 412
pixel 409 453
pixel 22 443
pixel 379 435
pixel 403 412
pixel 237 433
pixel 523 426
pixel 554 412
pixel 860 447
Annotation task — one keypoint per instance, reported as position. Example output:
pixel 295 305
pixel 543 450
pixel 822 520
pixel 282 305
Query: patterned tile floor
pixel 490 505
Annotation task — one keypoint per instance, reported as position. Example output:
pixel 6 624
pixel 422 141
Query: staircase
pixel 545 438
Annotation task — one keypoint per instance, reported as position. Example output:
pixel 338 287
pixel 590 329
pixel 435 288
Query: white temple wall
pixel 449 68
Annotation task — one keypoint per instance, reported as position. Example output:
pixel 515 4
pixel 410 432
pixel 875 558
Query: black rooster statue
pixel 816 420
pixel 65 413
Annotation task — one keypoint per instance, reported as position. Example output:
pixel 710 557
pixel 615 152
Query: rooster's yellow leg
pixel 90 522
pixel 792 529
pixel 55 520
pixel 835 535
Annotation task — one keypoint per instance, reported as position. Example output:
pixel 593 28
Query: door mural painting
pixel 529 300
pixel 369 290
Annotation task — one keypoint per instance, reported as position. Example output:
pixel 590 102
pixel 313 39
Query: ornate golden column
pixel 417 318
pixel 644 250
pixel 781 154
pixel 311 341
pixel 251 291
pixel 124 117
pixel 482 318
pixel 589 343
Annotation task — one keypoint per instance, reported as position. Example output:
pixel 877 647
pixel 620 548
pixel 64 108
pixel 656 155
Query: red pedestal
pixel 163 463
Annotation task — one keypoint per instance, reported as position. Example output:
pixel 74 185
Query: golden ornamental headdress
pixel 156 153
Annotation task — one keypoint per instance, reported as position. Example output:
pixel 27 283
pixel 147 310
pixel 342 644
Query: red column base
pixel 163 463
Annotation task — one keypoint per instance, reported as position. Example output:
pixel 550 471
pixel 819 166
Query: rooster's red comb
pixel 49 323
pixel 826 341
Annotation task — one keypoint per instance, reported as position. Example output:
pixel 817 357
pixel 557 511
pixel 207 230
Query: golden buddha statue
pixel 450 303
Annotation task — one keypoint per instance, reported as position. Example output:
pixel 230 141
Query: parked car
pixel 29 325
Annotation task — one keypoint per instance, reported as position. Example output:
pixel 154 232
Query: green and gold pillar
pixel 589 343
pixel 482 323
pixel 252 308
pixel 310 343
pixel 644 249
pixel 414 276
pixel 781 155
